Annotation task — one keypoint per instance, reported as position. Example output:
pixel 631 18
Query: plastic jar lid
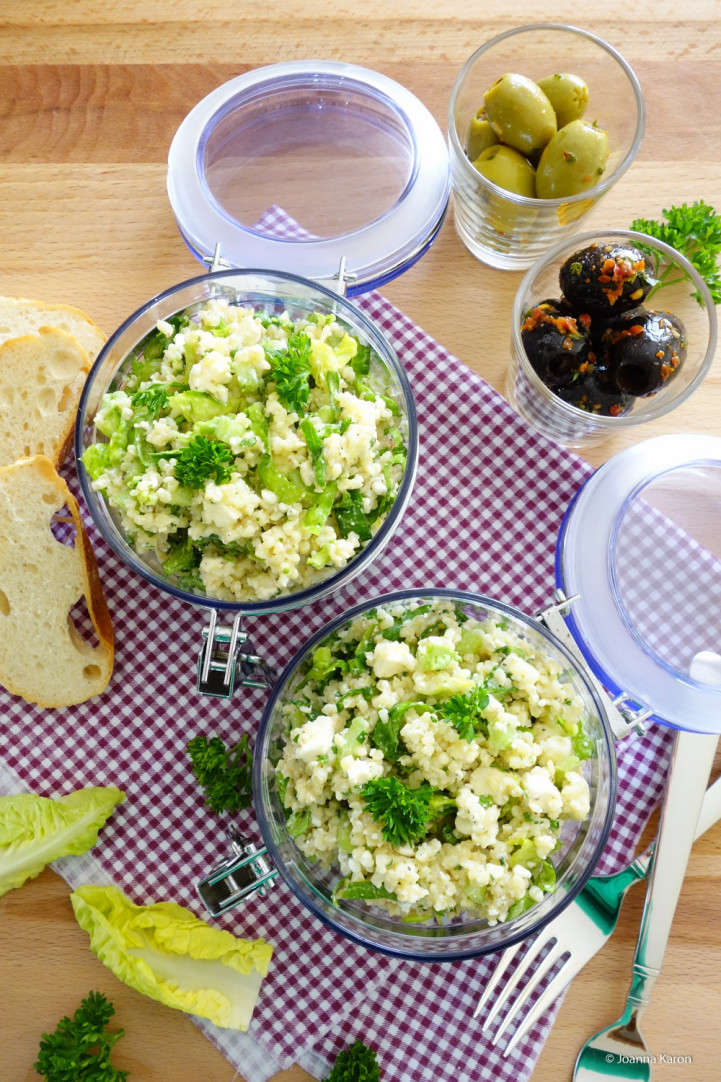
pixel 295 166
pixel 641 544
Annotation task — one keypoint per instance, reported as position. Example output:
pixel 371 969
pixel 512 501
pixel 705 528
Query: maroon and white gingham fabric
pixel 484 516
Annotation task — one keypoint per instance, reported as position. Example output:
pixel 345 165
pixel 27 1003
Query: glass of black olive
pixel 609 329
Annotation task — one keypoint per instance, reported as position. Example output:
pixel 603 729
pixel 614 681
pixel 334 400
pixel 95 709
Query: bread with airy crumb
pixel 44 656
pixel 41 378
pixel 20 316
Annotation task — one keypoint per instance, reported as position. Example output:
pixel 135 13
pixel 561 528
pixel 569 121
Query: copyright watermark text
pixel 662 1057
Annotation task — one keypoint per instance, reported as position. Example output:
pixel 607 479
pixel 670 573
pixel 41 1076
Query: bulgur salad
pixel 251 454
pixel 432 760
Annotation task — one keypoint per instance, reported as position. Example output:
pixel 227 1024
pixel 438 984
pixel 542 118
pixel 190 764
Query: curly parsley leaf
pixel 404 814
pixel 290 370
pixel 355 1064
pixel 695 231
pixel 202 459
pixel 226 776
pixel 79 1049
pixel 152 401
pixel 464 713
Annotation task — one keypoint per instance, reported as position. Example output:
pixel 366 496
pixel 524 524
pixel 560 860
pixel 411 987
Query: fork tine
pixel 495 977
pixel 528 958
pixel 557 985
pixel 556 952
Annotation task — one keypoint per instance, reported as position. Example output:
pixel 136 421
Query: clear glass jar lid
pixel 641 544
pixel 296 166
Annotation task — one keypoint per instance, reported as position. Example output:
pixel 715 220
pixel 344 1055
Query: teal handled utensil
pixel 577 934
pixel 619 1051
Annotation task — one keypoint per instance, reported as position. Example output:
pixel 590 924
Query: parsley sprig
pixel 464 713
pixel 695 231
pixel 153 400
pixel 226 775
pixel 290 369
pixel 79 1049
pixel 358 1063
pixel 202 459
pixel 404 814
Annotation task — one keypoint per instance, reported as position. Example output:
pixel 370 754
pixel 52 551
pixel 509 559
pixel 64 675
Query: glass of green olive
pixel 542 121
pixel 610 329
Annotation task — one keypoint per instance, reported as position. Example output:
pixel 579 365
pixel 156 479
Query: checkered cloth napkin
pixel 484 516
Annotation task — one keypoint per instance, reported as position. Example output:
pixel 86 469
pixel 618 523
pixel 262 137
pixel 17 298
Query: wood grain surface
pixel 90 97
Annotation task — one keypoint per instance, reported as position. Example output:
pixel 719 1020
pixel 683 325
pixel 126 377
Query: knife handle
pixel 693 755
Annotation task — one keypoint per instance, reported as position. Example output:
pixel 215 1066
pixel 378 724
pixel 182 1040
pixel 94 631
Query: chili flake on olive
pixel 596 347
pixel 607 278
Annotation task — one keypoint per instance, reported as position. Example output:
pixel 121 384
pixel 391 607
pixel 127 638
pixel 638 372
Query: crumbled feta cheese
pixel 391 658
pixel 315 738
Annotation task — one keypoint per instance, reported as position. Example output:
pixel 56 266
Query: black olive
pixel 557 343
pixel 594 392
pixel 643 350
pixel 607 278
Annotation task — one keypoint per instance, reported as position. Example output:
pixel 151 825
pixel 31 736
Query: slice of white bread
pixel 41 379
pixel 44 657
pixel 19 316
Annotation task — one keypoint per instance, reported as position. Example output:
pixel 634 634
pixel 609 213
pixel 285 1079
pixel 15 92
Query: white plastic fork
pixel 579 932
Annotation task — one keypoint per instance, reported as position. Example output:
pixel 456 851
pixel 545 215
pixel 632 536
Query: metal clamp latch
pixel 218 661
pixel 623 721
pixel 340 280
pixel 248 870
pixel 216 261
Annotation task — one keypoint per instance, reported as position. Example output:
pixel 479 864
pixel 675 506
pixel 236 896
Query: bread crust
pixel 34 637
pixel 21 315
pixel 42 376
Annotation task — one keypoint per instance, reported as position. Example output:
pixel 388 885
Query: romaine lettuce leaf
pixel 166 953
pixel 35 830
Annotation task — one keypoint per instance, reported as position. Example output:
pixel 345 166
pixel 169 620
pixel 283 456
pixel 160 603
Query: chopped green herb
pixel 356 1064
pixel 79 1050
pixel 290 369
pixel 464 713
pixel 226 776
pixel 404 814
pixel 695 231
pixel 201 460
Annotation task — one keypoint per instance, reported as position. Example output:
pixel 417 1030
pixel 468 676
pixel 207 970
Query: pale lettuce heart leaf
pixel 35 830
pixel 170 955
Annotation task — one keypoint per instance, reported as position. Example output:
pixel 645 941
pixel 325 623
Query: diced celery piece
pixel 471 640
pixel 520 906
pixel 196 406
pixel 317 514
pixel 526 854
pixel 476 893
pixel 500 736
pixel 287 490
pixel 433 656
pixel 247 376
pixel 350 740
pixel 259 424
pixel 298 823
pixel 344 842
pixel 96 459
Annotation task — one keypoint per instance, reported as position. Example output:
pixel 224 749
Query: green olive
pixel 573 162
pixel 508 169
pixel 568 94
pixel 520 113
pixel 480 135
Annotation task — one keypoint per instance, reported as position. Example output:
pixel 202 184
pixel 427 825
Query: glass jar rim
pixel 374 253
pixel 532 201
pixel 565 409
pixel 326 585
pixel 526 926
